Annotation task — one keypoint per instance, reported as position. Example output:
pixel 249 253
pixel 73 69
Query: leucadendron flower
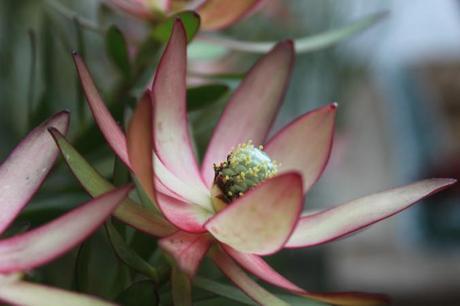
pixel 21 174
pixel 245 200
pixel 215 14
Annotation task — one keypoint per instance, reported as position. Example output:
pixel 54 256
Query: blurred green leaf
pixel 201 50
pixel 82 266
pixel 118 51
pixel 97 270
pixel 16 228
pixel 141 293
pixel 302 45
pixel 127 255
pixel 181 288
pixel 191 22
pixel 217 301
pixel 236 294
pixel 202 96
pixel 220 289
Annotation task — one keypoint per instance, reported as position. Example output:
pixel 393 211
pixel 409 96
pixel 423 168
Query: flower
pixel 245 201
pixel 21 174
pixel 215 14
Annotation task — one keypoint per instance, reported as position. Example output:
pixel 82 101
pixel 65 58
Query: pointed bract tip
pixel 287 43
pixel 449 181
pixel 334 105
pixel 74 53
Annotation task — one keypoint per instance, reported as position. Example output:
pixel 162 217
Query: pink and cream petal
pixel 242 280
pixel 25 169
pixel 262 220
pixel 218 14
pixel 186 216
pixel 187 249
pixel 109 128
pixel 252 108
pixel 340 221
pixel 198 196
pixel 315 130
pixel 171 135
pixel 43 244
pixel 140 144
pixel 29 294
pixel 258 267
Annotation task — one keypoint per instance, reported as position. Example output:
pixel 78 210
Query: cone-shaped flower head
pixel 215 14
pixel 245 167
pixel 244 200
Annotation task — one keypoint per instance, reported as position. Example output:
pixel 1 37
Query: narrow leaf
pixel 25 169
pixel 202 96
pixel 95 184
pixel 127 255
pixel 43 244
pixel 141 293
pixel 181 288
pixel 190 20
pixel 24 293
pixel 302 45
pixel 117 50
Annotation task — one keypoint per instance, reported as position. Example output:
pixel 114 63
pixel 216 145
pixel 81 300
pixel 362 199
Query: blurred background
pixel 398 89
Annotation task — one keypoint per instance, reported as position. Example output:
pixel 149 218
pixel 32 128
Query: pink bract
pixel 21 175
pixel 267 217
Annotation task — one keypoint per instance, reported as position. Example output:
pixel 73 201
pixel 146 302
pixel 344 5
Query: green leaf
pixel 181 288
pixel 191 22
pixel 127 255
pixel 220 289
pixel 302 45
pixel 118 51
pixel 201 96
pixel 236 294
pixel 95 184
pixel 141 293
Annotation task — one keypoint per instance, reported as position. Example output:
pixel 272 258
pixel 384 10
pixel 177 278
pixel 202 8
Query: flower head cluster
pixel 239 204
pixel 245 167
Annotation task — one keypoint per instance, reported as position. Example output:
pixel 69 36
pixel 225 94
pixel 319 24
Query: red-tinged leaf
pixel 242 280
pixel 171 135
pixel 25 169
pixel 49 241
pixel 262 220
pixel 29 294
pixel 257 266
pixel 140 144
pixel 218 14
pixel 252 107
pixel 188 250
pixel 314 129
pixel 109 128
pixel 334 223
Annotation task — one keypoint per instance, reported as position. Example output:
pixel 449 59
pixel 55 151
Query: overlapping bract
pixel 267 217
pixel 21 174
pixel 215 14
